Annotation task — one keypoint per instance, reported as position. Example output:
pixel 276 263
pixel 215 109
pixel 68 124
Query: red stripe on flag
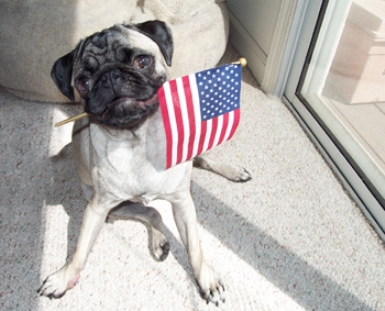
pixel 191 115
pixel 237 117
pixel 167 127
pixel 178 119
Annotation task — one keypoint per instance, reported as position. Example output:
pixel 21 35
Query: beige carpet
pixel 289 239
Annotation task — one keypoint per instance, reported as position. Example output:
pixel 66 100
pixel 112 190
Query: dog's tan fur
pixel 120 169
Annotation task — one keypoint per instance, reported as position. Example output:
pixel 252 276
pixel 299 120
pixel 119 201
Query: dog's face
pixel 116 73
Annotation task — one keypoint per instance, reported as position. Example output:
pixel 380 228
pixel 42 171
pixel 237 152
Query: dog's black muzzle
pixel 122 96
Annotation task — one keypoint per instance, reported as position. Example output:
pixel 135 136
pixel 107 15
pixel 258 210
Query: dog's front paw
pixel 56 285
pixel 211 287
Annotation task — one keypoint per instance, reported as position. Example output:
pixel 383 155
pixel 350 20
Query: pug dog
pixel 116 74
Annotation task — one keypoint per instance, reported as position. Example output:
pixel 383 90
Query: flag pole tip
pixel 243 61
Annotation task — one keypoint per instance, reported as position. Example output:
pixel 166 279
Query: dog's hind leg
pixel 229 171
pixel 150 216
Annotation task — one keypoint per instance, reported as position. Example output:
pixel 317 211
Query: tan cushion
pixel 34 33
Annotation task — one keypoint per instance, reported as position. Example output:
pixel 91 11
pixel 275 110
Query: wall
pixel 266 32
pixel 253 27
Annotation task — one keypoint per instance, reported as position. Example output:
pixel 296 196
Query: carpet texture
pixel 289 239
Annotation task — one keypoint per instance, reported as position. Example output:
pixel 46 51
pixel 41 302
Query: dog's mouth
pixel 127 111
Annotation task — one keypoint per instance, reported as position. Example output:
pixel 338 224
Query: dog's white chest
pixel 126 167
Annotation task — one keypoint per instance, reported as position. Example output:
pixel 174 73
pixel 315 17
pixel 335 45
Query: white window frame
pixel 359 191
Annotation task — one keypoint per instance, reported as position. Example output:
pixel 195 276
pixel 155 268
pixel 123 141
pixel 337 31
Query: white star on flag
pixel 200 111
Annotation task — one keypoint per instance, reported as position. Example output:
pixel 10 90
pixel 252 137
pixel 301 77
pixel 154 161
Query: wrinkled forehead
pixel 117 44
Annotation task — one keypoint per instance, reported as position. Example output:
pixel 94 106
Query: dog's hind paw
pixel 237 173
pixel 162 252
pixel 229 171
pixel 160 245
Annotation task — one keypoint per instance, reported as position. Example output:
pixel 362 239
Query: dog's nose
pixel 104 79
pixel 110 78
pixel 117 75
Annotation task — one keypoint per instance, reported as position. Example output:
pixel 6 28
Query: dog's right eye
pixel 82 85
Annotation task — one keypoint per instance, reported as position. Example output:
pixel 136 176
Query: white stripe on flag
pixel 209 124
pixel 197 112
pixel 219 130
pixel 171 114
pixel 229 126
pixel 185 118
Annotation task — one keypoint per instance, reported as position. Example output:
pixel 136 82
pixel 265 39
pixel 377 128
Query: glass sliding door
pixel 339 94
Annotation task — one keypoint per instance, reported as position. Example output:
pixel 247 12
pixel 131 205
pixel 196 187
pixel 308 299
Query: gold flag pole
pixel 241 61
pixel 79 116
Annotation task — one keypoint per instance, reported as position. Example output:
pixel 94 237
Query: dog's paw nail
pixel 166 250
pixel 245 176
pixel 221 285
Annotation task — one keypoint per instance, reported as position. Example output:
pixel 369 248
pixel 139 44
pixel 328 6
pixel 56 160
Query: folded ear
pixel 161 34
pixel 61 74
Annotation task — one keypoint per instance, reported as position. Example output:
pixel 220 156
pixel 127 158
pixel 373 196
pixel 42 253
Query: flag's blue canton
pixel 219 90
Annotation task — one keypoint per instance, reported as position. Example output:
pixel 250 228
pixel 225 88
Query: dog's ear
pixel 161 34
pixel 61 74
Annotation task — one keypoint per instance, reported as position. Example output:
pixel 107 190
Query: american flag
pixel 200 111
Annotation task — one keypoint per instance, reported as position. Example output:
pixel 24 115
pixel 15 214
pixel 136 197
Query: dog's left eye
pixel 142 61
